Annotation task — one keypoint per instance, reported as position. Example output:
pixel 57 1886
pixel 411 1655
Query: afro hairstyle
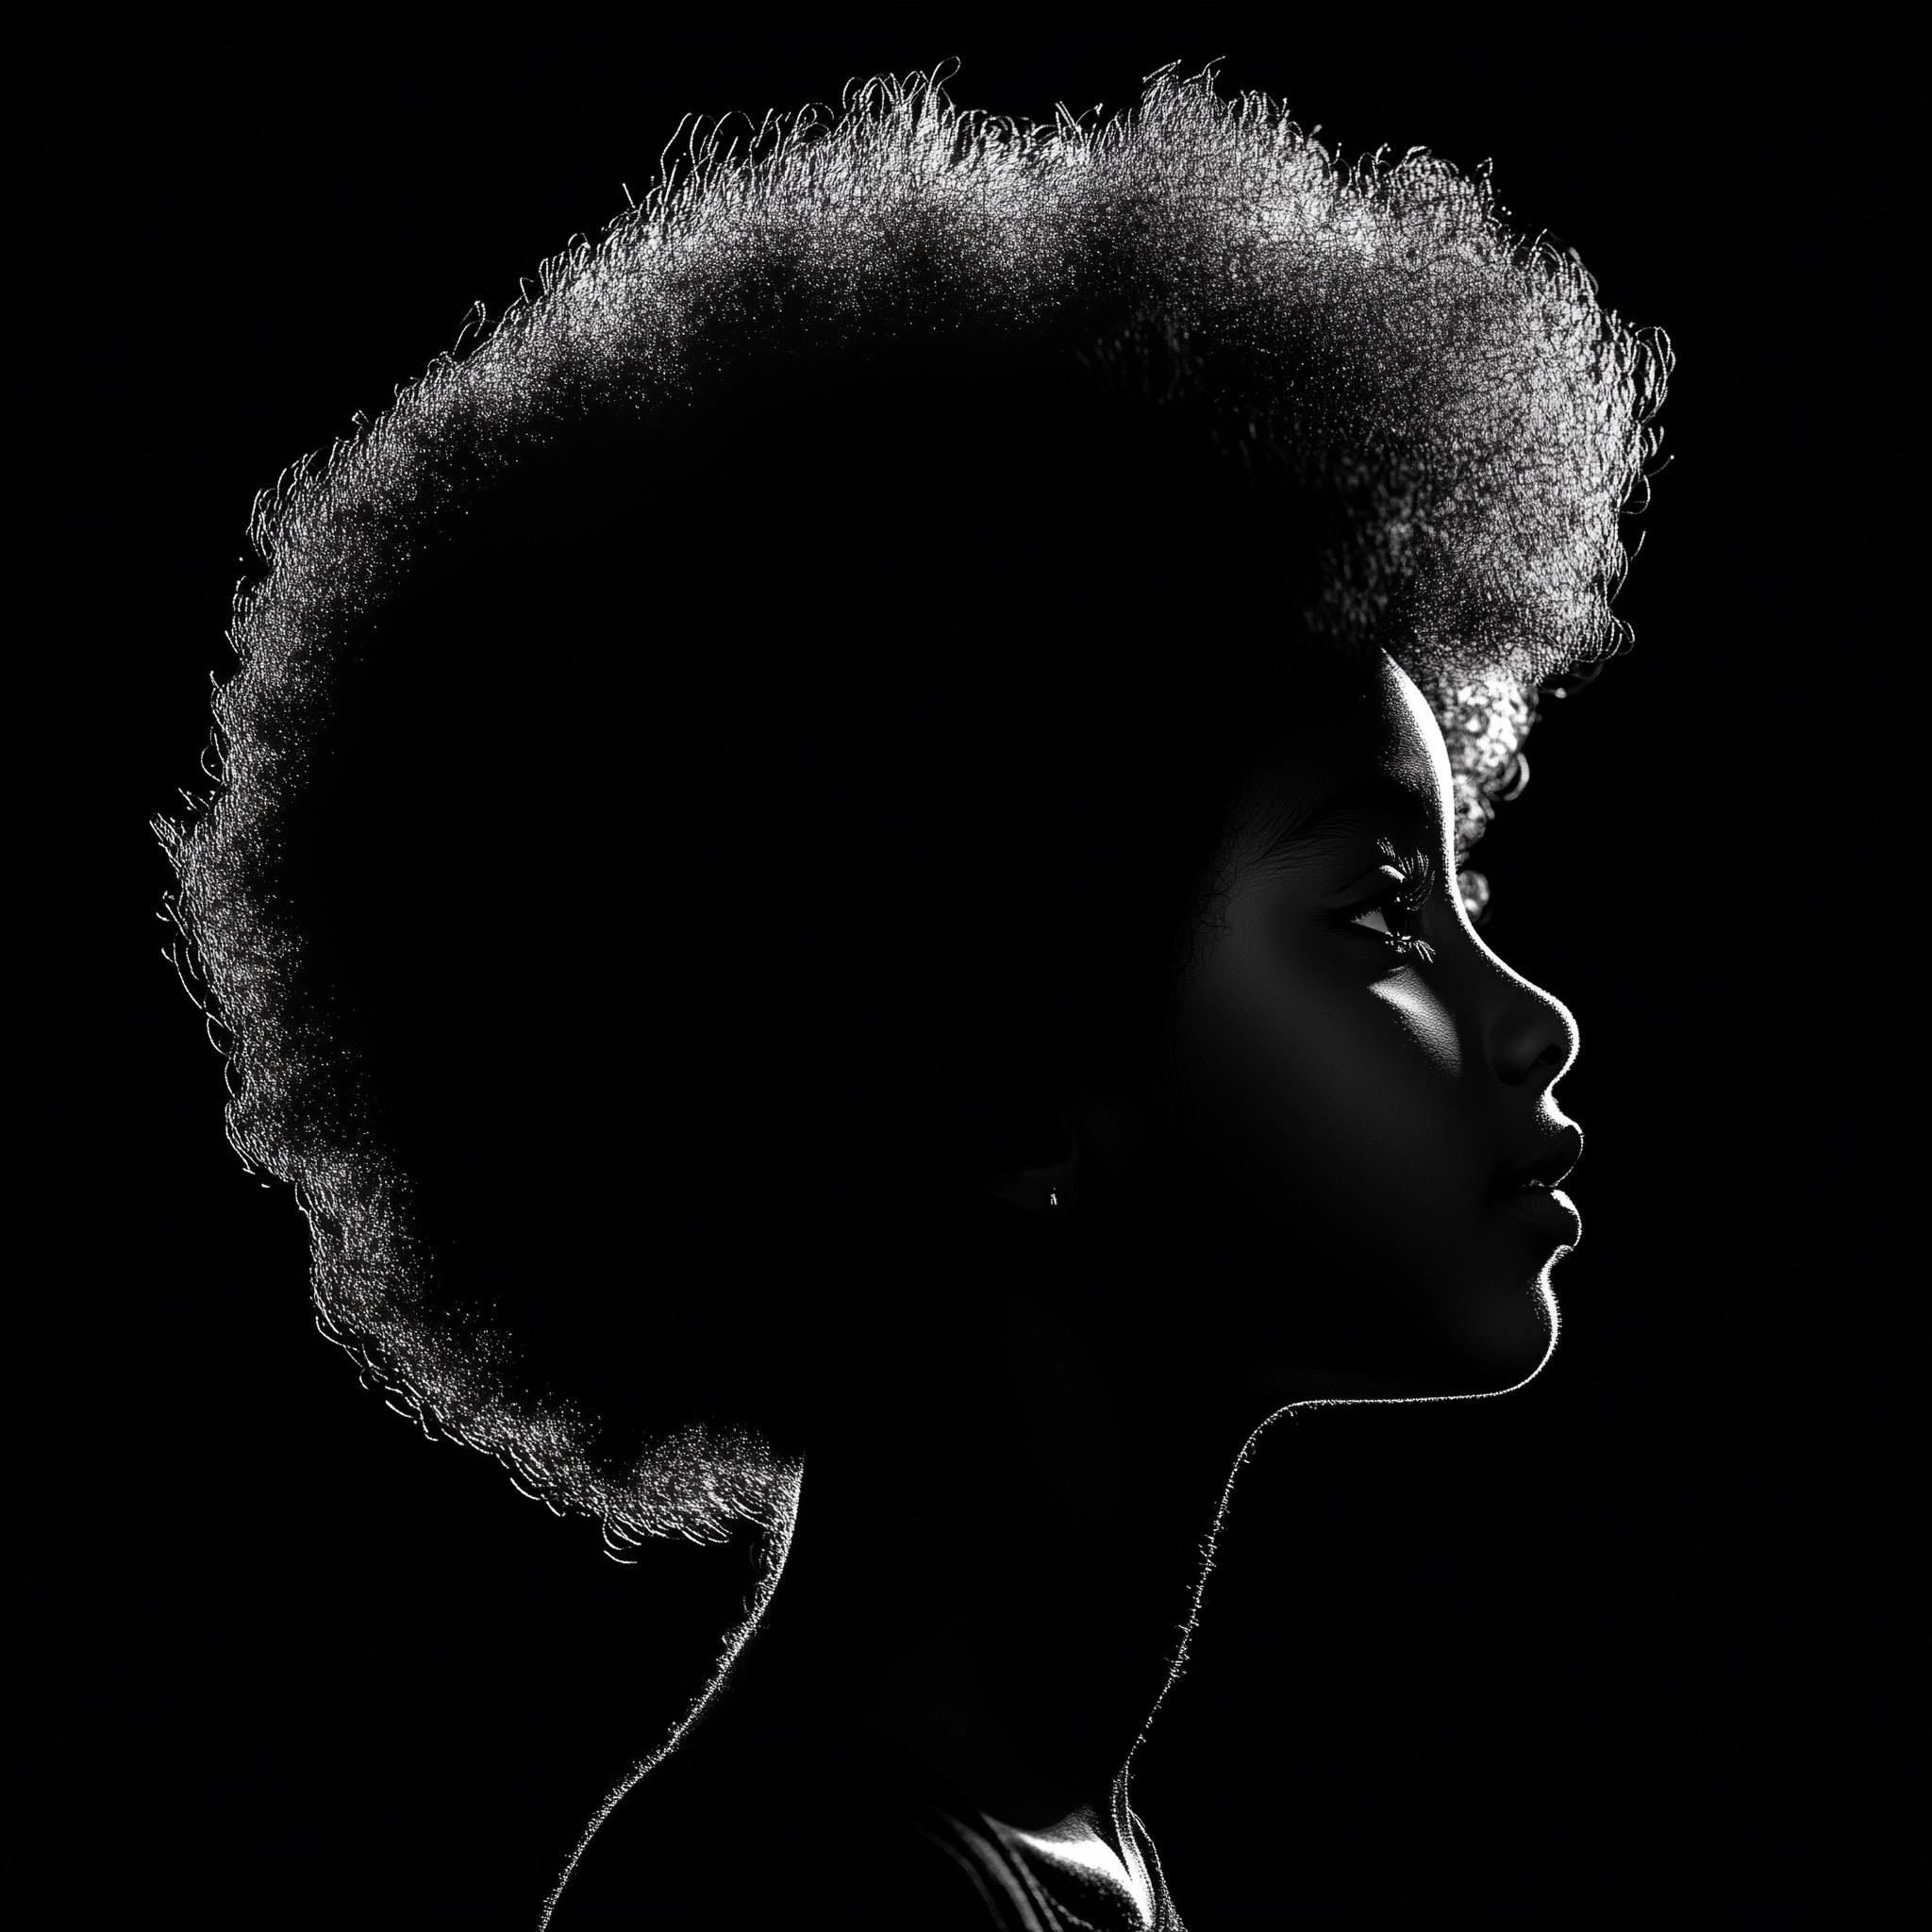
pixel 857 478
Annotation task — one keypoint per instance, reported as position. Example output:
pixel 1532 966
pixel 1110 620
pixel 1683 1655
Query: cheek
pixel 1332 1109
pixel 1331 1134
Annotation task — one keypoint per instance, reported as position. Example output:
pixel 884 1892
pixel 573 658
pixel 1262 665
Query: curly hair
pixel 669 545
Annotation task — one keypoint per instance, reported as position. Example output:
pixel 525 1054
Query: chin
pixel 1492 1335
pixel 1507 1339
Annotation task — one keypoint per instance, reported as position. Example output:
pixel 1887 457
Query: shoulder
pixel 738 1830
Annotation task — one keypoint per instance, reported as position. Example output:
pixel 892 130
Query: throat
pixel 996 1553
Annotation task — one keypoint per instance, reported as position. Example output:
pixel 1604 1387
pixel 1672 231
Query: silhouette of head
pixel 926 700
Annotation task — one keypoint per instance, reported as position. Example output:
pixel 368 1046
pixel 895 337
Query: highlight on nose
pixel 1534 1038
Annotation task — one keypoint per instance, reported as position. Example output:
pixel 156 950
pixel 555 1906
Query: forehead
pixel 1367 744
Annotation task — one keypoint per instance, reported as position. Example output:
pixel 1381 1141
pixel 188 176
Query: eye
pixel 1392 915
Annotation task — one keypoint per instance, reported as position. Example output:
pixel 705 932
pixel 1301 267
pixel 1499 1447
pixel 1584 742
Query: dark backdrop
pixel 1634 1635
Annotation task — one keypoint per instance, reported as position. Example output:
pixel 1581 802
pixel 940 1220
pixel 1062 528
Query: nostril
pixel 1542 1071
pixel 1534 1038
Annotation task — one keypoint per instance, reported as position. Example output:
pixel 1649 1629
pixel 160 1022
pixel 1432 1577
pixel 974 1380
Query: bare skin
pixel 1313 1191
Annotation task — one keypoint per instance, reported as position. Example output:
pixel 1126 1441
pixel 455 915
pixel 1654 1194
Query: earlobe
pixel 1042 1187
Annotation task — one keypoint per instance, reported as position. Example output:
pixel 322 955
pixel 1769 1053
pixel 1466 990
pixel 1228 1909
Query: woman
pixel 838 875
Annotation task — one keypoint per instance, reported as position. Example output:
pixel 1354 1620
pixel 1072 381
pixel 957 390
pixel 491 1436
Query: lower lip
pixel 1549 1210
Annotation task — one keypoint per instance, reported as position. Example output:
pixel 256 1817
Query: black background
pixel 1633 1638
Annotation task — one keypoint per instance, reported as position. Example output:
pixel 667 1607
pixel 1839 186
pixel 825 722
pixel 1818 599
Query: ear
pixel 1042 1187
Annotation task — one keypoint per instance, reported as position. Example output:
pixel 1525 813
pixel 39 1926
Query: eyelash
pixel 1418 887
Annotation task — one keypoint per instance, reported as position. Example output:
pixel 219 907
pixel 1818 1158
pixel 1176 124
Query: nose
pixel 1533 1039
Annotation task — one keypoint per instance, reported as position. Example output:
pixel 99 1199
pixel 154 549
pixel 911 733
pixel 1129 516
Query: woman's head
pixel 735 765
pixel 1338 1156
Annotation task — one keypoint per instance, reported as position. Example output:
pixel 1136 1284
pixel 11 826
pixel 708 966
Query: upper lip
pixel 1551 1167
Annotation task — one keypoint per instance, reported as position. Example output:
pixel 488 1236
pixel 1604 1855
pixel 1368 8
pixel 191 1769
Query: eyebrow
pixel 1376 797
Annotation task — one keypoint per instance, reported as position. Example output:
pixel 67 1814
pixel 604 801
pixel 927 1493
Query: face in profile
pixel 1347 1146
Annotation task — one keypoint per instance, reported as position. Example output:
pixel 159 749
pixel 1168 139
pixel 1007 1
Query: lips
pixel 1550 1210
pixel 1531 1191
pixel 1549 1168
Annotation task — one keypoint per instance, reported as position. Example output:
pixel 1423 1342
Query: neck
pixel 998 1569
